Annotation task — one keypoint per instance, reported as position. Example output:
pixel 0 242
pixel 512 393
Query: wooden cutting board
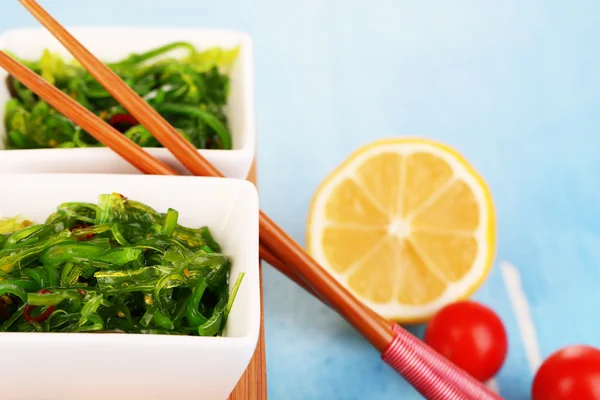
pixel 253 384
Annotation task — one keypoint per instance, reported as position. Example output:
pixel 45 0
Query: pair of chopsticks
pixel 431 374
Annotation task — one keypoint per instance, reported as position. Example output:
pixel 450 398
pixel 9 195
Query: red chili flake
pixel 87 236
pixel 43 316
pixel 123 119
pixel 81 292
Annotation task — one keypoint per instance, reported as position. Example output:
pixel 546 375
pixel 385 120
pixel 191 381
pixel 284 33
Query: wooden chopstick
pixel 272 259
pixel 110 137
pixel 374 328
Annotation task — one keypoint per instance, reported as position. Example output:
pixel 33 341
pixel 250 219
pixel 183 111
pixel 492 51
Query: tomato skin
pixel 571 373
pixel 470 335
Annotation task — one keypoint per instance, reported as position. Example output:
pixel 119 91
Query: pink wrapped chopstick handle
pixel 431 374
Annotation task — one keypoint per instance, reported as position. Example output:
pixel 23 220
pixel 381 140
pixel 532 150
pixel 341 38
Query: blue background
pixel 513 85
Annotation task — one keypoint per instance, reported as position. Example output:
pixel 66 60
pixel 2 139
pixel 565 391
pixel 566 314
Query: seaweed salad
pixel 190 92
pixel 114 266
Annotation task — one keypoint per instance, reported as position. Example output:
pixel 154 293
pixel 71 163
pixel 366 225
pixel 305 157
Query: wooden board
pixel 253 384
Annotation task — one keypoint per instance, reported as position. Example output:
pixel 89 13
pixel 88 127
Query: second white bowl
pixel 87 366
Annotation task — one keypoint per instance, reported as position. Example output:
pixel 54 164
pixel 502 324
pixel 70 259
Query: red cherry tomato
pixel 470 335
pixel 571 373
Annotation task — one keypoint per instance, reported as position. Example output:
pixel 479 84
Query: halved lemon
pixel 407 225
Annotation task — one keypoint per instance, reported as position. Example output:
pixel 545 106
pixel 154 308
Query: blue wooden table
pixel 513 85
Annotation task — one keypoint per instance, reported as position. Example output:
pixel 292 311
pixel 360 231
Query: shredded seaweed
pixel 190 92
pixel 117 265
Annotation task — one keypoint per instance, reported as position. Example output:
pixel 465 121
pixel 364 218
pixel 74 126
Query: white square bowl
pixel 111 44
pixel 87 366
